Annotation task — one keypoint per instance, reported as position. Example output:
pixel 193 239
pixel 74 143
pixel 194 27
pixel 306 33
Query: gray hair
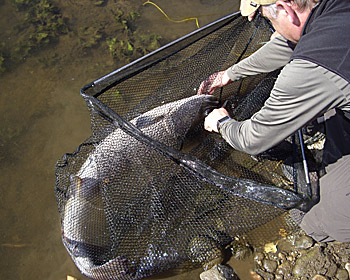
pixel 302 5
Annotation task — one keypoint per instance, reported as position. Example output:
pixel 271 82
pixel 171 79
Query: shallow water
pixel 43 117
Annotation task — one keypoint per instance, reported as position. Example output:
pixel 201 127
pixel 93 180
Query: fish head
pixel 189 115
pixel 83 188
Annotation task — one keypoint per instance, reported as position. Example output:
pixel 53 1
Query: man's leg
pixel 330 219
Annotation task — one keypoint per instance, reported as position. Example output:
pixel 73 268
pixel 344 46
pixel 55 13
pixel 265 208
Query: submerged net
pixel 150 190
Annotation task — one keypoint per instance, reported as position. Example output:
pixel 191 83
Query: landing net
pixel 150 190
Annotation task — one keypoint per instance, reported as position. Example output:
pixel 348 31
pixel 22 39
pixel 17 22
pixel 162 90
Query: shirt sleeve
pixel 302 91
pixel 273 55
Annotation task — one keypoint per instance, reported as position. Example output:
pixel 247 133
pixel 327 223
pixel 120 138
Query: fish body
pixel 106 173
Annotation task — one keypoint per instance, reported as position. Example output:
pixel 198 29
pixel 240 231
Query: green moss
pixel 99 2
pixel 125 21
pixel 111 43
pixel 2 68
pixel 42 24
pixel 89 36
pixel 50 60
pixel 149 42
pixel 131 44
pixel 133 15
pixel 23 4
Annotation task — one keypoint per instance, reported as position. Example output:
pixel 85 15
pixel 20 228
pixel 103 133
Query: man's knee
pixel 325 222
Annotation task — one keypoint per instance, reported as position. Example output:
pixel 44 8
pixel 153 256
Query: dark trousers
pixel 329 219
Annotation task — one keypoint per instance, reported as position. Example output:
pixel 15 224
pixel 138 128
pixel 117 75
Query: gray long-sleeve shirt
pixel 302 92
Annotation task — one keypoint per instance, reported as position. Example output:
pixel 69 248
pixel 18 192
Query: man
pixel 314 50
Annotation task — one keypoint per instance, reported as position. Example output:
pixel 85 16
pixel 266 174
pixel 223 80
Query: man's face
pixel 283 24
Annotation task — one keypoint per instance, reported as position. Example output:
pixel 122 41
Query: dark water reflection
pixel 43 117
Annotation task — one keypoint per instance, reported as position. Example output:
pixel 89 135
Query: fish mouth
pixel 86 251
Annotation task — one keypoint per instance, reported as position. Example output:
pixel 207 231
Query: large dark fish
pixel 85 226
pixel 105 179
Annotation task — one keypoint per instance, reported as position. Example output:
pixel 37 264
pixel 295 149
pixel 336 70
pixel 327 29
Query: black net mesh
pixel 150 189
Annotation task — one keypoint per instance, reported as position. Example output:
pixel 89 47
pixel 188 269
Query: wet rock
pixel 219 272
pixel 285 245
pixel 269 265
pixel 300 257
pixel 342 274
pixel 227 272
pixel 282 256
pixel 304 242
pixel 300 268
pixel 331 270
pixel 259 256
pixel 241 252
pixel 273 256
pixel 265 275
pixel 319 277
pixel 270 247
pixel 347 267
pixel 255 276
pixel 284 269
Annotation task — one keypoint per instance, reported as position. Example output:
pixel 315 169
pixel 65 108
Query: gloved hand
pixel 214 81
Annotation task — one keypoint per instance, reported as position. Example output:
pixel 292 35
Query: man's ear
pixel 289 11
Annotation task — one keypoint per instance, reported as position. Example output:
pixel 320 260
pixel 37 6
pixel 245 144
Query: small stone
pixel 227 272
pixel 259 256
pixel 304 242
pixel 285 245
pixel 284 269
pixel 219 272
pixel 241 253
pixel 347 267
pixel 270 247
pixel 303 262
pixel 255 276
pixel 342 274
pixel 282 256
pixel 270 266
pixel 332 270
pixel 273 256
pixel 319 277
pixel 71 278
pixel 265 275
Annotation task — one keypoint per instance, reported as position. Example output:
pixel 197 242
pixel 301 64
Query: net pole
pixel 306 169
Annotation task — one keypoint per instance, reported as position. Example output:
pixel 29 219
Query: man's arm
pixel 302 92
pixel 272 56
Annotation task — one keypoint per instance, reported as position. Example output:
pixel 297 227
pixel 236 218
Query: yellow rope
pixel 177 21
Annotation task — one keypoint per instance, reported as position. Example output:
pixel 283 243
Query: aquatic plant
pixel 130 43
pixel 89 36
pixel 2 58
pixel 99 2
pixel 42 25
pixel 2 68
pixel 125 20
pixel 22 4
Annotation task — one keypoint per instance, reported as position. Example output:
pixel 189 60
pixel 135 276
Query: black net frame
pixel 190 201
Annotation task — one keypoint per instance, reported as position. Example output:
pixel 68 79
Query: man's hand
pixel 210 122
pixel 214 81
